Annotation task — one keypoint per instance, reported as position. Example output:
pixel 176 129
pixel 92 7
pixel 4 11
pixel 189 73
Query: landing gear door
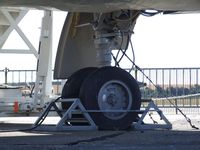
pixel 76 48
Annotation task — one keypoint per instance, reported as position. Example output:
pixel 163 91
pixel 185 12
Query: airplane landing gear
pixel 109 93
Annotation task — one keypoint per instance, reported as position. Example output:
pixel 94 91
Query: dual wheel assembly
pixel 105 89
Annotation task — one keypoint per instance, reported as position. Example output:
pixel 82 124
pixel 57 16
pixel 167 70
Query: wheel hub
pixel 114 96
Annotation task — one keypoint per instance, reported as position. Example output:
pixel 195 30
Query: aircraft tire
pixel 72 86
pixel 111 88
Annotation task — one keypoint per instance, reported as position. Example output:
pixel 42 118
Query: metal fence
pixel 176 81
pixel 180 86
pixel 25 78
pixel 17 76
pixel 170 82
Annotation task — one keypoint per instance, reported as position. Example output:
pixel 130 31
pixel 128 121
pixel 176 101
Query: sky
pixel 158 41
pixel 167 41
pixel 31 26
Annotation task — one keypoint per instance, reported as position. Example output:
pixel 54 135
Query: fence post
pixel 136 71
pixel 176 106
pixel 6 75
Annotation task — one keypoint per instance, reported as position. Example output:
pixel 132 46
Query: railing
pixel 17 76
pixel 173 81
pixel 181 85
pixel 170 82
pixel 24 78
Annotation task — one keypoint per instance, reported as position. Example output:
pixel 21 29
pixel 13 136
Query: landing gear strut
pixel 108 88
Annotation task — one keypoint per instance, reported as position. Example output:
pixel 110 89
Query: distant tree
pixel 169 91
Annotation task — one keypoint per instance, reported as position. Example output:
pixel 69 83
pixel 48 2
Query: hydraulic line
pixel 132 52
pixel 117 61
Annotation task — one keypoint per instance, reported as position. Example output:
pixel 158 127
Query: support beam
pixel 13 51
pixel 19 31
pixel 10 28
pixel 43 85
pixel 44 67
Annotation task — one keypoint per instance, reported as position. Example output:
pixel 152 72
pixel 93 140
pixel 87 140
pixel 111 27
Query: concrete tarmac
pixel 182 136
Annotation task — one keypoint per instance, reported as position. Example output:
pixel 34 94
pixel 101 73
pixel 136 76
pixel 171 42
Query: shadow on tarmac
pixel 151 139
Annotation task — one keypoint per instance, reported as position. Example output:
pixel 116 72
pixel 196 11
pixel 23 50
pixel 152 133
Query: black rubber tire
pixel 72 86
pixel 89 96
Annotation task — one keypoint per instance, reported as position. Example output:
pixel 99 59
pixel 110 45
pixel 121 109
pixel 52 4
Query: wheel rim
pixel 114 95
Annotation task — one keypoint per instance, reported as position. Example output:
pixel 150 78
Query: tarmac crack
pixel 101 138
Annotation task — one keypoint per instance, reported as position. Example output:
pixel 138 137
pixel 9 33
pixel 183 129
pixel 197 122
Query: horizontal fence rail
pixel 26 79
pixel 180 86
pixel 170 82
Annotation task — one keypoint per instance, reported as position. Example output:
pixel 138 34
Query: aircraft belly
pixel 105 5
pixel 76 48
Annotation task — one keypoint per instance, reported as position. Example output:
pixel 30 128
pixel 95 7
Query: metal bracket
pixel 66 117
pixel 75 106
pixel 12 23
pixel 140 125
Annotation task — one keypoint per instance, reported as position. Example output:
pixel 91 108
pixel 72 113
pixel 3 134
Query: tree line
pixel 169 91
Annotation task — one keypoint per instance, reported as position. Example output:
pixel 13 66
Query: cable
pixel 138 68
pixel 38 123
pixel 116 62
pixel 124 54
pixel 150 115
pixel 129 37
pixel 31 94
pixel 115 59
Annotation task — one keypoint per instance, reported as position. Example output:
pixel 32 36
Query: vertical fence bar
pixel 19 77
pixel 149 75
pixel 176 104
pixel 57 86
pixel 26 80
pixel 176 82
pixel 25 76
pixel 31 76
pixel 136 74
pixel 197 87
pixel 143 81
pixel 183 81
pixel 12 77
pixel 163 84
pixel 190 85
pixel 190 78
pixel 197 78
pixel 170 82
pixel 6 75
pixel 156 82
pixel 183 102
